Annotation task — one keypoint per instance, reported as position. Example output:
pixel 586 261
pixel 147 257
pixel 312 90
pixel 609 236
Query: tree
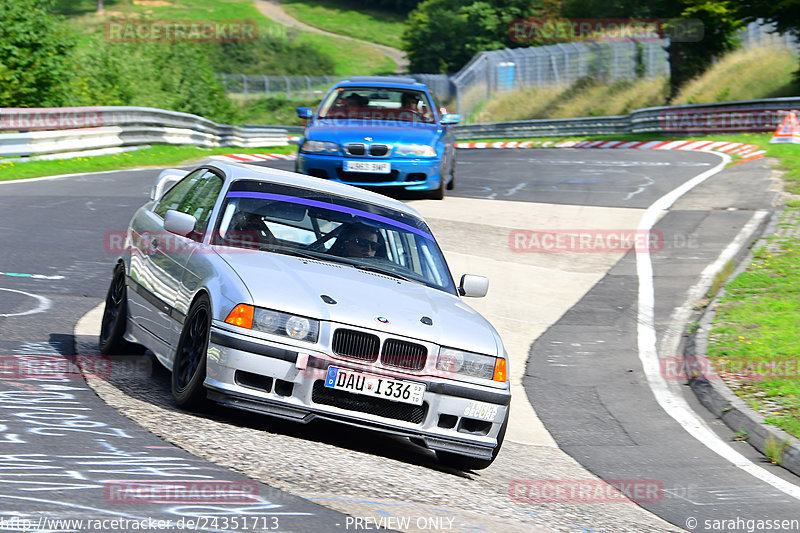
pixel 785 14
pixel 34 69
pixel 442 35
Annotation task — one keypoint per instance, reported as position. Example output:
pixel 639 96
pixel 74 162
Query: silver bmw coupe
pixel 300 298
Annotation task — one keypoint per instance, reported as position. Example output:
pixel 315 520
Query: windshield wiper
pixel 389 273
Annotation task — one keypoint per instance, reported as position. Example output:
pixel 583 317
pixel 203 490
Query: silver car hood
pixel 296 285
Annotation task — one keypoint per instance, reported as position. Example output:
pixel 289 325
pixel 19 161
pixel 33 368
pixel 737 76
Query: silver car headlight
pixel 471 364
pixel 319 147
pixel 275 322
pixel 419 150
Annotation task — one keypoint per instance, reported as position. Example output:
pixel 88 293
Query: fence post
pixel 288 94
pixel 266 86
pixel 244 85
pixel 308 84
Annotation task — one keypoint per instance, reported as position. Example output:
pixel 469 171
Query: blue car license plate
pixel 374 167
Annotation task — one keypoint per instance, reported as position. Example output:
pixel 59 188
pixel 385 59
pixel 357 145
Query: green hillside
pixel 279 51
pixel 740 75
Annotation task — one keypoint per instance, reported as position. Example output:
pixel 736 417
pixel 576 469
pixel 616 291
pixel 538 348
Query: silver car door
pixel 158 258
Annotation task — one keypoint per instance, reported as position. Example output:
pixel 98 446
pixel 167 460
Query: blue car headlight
pixel 319 147
pixel 418 150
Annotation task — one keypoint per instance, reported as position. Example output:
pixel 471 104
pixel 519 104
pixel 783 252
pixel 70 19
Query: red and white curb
pixel 249 158
pixel 744 150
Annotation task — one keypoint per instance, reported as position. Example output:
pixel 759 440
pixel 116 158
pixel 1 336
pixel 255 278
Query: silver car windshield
pixel 275 218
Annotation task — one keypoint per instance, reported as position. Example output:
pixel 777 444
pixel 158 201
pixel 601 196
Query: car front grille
pixel 378 150
pixel 355 149
pixel 374 150
pixel 404 354
pixel 364 404
pixel 356 344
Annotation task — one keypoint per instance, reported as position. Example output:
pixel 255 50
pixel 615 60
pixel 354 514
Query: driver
pixel 358 240
pixel 410 101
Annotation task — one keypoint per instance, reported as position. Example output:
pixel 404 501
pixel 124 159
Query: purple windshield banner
pixel 332 207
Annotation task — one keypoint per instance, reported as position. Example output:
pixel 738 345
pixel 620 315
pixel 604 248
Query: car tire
pixel 115 318
pixel 462 462
pixel 438 192
pixel 189 366
pixel 452 183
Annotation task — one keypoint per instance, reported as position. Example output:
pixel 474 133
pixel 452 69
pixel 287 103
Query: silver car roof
pixel 238 171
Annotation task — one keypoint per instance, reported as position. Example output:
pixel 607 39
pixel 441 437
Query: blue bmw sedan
pixel 380 133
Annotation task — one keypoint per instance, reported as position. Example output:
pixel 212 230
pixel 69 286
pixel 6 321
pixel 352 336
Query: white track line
pixel 43 304
pixel 673 404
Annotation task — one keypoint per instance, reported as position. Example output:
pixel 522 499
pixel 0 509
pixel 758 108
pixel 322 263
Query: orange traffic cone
pixel 788 131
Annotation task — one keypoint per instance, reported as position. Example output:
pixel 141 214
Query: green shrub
pixel 269 55
pixel 33 48
pixel 175 76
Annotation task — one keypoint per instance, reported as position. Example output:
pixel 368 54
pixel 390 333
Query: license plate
pixel 374 167
pixel 397 390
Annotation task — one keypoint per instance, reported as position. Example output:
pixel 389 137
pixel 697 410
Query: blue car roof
pixel 383 81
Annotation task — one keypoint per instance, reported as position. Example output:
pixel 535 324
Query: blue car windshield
pixel 378 103
pixel 275 218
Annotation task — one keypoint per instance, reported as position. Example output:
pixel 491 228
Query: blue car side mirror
pixel 304 112
pixel 450 118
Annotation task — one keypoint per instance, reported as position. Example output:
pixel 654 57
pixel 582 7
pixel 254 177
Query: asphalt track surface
pixel 61 447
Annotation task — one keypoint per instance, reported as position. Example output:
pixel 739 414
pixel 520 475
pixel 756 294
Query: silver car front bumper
pixel 281 380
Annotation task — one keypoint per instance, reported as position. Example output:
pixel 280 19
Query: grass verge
pixel 754 342
pixel 349 18
pixel 156 156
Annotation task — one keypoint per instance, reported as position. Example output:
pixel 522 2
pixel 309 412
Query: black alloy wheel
pixel 189 367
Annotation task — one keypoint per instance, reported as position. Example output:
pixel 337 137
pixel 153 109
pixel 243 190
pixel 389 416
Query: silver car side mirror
pixel 473 286
pixel 179 223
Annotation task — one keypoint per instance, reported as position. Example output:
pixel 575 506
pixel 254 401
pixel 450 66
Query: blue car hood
pixel 344 131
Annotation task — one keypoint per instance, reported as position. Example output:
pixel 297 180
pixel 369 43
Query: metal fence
pixel 757 34
pixel 556 65
pixel 315 87
pixel 289 87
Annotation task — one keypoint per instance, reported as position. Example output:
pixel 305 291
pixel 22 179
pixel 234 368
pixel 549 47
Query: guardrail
pixel 48 131
pixel 751 116
pixel 45 131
